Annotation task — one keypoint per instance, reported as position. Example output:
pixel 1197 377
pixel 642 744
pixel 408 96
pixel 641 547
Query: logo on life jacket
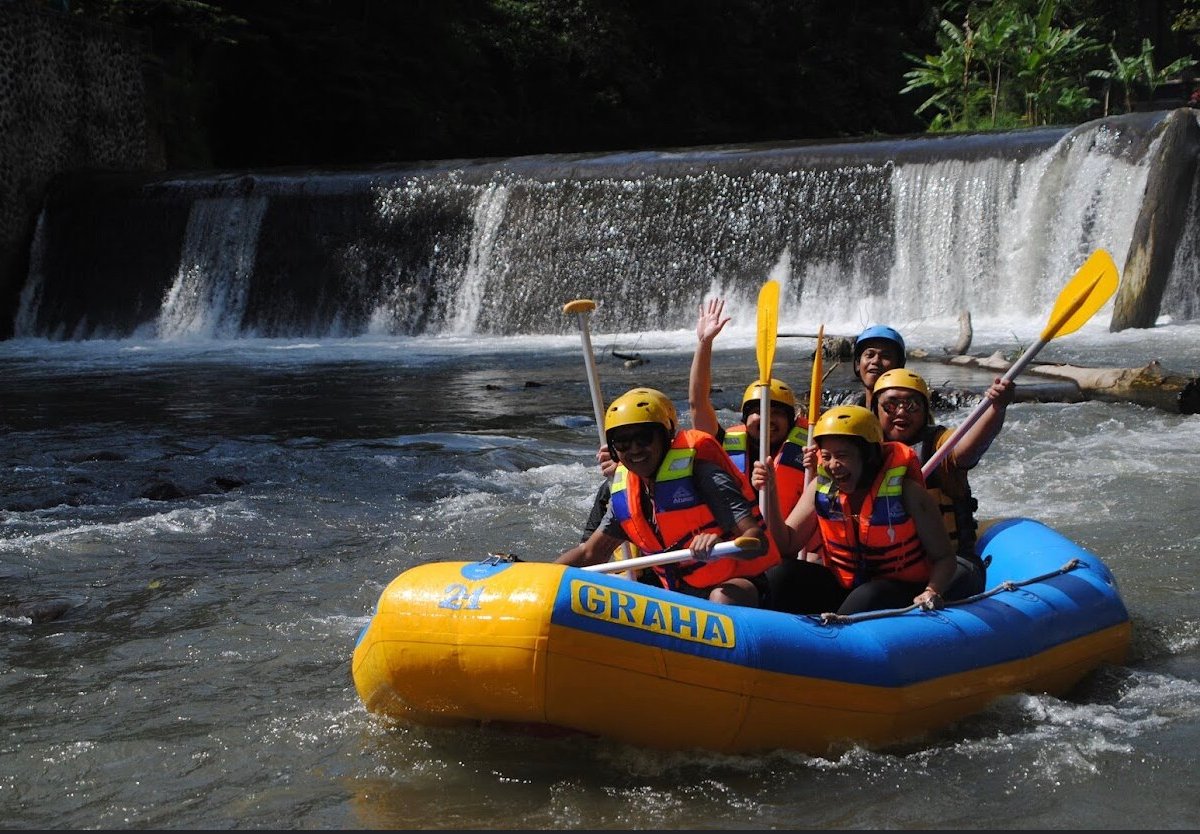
pixel 613 605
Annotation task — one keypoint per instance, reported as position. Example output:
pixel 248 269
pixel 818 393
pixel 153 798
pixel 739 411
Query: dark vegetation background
pixel 244 83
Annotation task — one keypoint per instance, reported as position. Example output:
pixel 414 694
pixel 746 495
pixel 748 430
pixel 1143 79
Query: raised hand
pixel 711 320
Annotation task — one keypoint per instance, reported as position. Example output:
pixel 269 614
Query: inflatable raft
pixel 532 643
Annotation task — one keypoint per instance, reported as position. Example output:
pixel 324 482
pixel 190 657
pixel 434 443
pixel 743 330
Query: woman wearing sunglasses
pixel 884 545
pixel 676 489
pixel 902 404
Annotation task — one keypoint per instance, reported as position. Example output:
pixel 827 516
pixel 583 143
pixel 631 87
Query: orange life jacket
pixel 950 488
pixel 880 542
pixel 680 513
pixel 789 468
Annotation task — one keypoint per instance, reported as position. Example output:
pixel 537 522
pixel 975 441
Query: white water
pixel 208 296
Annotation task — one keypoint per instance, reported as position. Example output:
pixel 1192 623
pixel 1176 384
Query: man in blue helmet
pixel 877 349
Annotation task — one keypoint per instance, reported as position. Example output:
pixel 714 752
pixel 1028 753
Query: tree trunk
pixel 1151 385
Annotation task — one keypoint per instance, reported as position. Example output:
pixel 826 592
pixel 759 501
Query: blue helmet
pixel 878 331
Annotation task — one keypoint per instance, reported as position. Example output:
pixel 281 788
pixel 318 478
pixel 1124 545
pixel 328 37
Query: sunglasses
pixel 642 437
pixel 896 406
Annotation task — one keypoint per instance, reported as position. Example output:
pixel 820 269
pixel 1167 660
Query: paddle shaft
pixel 1093 295
pixel 768 321
pixel 668 557
pixel 581 308
pixel 814 392
pixel 764 433
pixel 589 361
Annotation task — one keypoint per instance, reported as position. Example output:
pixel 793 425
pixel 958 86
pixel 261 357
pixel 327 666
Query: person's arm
pixel 732 511
pixel 979 437
pixel 703 543
pixel 790 534
pixel 923 510
pixel 710 322
pixel 599 510
pixel 597 548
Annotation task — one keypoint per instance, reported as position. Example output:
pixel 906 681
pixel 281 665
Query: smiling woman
pixel 883 543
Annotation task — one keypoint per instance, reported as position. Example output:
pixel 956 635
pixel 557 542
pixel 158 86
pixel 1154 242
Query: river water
pixel 221 517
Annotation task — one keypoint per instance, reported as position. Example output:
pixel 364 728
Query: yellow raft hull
pixel 542 644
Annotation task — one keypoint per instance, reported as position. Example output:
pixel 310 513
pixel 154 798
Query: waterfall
pixel 902 230
pixel 999 234
pixel 208 296
pixel 483 258
pixel 25 321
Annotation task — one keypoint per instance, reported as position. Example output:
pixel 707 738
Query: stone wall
pixel 72 96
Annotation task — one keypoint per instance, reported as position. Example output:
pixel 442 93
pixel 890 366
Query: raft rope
pixel 494 559
pixel 831 618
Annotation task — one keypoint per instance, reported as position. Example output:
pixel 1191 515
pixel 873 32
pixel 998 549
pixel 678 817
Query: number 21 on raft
pixel 459 597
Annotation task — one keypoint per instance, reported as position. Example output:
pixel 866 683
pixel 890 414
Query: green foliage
pixel 1019 62
pixel 1135 70
pixel 1188 20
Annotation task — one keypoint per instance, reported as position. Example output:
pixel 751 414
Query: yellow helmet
pixel 641 405
pixel 781 394
pixel 853 420
pixel 903 378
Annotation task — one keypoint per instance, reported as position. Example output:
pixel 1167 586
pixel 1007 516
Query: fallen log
pixel 1151 385
pixel 832 347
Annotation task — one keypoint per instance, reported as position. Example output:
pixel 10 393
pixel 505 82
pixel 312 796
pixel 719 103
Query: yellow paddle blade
pixel 768 321
pixel 1093 284
pixel 818 377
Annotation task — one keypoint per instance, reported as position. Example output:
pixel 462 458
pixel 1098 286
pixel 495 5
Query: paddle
pixel 1084 294
pixel 814 390
pixel 738 545
pixel 768 320
pixel 581 307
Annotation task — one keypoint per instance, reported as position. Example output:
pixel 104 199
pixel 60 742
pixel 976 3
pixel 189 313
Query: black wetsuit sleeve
pixel 599 510
pixel 723 494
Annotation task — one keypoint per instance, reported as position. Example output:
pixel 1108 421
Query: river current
pixel 221 517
